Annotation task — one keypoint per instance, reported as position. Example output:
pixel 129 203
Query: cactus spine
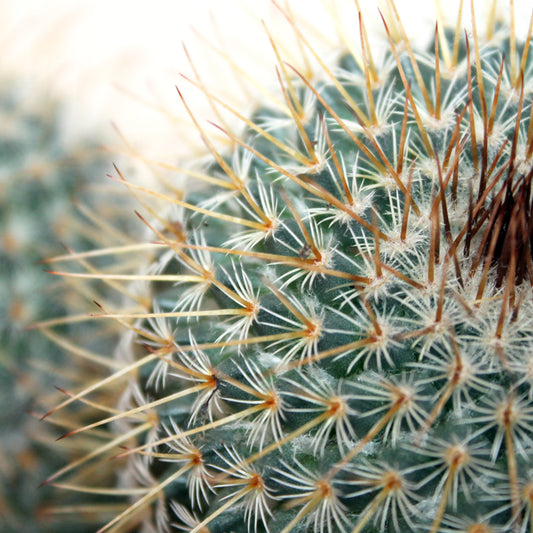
pixel 339 334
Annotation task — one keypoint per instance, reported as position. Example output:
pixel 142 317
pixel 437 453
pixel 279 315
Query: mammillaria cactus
pixel 339 331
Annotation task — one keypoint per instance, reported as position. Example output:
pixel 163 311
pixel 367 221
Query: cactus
pixel 39 174
pixel 339 334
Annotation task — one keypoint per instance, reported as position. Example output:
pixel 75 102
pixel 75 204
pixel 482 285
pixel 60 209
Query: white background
pixel 96 53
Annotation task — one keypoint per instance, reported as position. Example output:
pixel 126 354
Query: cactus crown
pixel 339 335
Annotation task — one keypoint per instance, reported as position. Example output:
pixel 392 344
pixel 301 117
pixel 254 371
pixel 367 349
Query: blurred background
pixel 104 57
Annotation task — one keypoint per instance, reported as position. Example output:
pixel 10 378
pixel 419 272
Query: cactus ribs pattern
pixel 339 335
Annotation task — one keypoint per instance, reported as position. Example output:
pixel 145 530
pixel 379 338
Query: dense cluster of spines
pixel 339 332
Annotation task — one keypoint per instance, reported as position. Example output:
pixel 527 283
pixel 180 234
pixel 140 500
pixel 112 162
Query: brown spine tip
pixel 510 218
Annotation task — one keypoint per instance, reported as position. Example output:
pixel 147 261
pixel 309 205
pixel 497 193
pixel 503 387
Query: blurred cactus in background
pixel 41 172
pixel 334 332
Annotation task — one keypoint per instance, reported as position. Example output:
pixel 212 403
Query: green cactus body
pixel 340 331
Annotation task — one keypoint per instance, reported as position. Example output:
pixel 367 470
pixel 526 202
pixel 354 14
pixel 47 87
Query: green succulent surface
pixel 340 328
